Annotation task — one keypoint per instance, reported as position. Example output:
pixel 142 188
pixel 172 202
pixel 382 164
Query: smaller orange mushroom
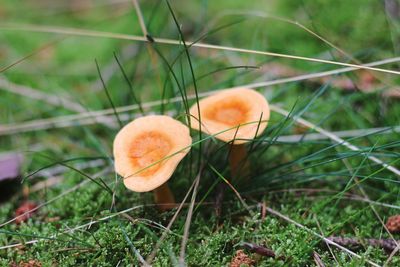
pixel 147 152
pixel 232 115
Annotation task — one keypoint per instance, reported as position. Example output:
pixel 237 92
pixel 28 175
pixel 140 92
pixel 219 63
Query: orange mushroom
pixel 147 152
pixel 232 115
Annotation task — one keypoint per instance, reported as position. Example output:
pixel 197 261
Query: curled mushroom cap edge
pixel 148 150
pixel 233 114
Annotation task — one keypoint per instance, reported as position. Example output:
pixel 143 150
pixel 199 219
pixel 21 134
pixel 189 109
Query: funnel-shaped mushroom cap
pixel 229 109
pixel 148 150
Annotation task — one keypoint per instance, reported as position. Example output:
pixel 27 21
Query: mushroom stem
pixel 238 161
pixel 164 198
pixel 239 168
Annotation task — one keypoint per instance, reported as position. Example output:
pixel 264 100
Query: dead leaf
pixel 24 212
pixel 30 263
pixel 241 259
pixel 10 165
pixel 393 224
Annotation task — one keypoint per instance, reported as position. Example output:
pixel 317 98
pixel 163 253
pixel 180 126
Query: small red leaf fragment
pixel 241 259
pixel 24 212
pixel 393 224
pixel 30 263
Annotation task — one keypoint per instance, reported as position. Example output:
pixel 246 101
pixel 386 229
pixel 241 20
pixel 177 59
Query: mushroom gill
pixel 230 112
pixel 147 152
pixel 231 115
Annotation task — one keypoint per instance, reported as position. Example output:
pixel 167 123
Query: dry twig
pixel 387 244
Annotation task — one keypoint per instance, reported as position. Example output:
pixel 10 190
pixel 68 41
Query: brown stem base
pixel 164 198
pixel 218 200
pixel 239 168
pixel 238 162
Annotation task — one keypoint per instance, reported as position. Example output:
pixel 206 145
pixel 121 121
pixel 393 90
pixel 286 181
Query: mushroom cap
pixel 148 150
pixel 230 109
